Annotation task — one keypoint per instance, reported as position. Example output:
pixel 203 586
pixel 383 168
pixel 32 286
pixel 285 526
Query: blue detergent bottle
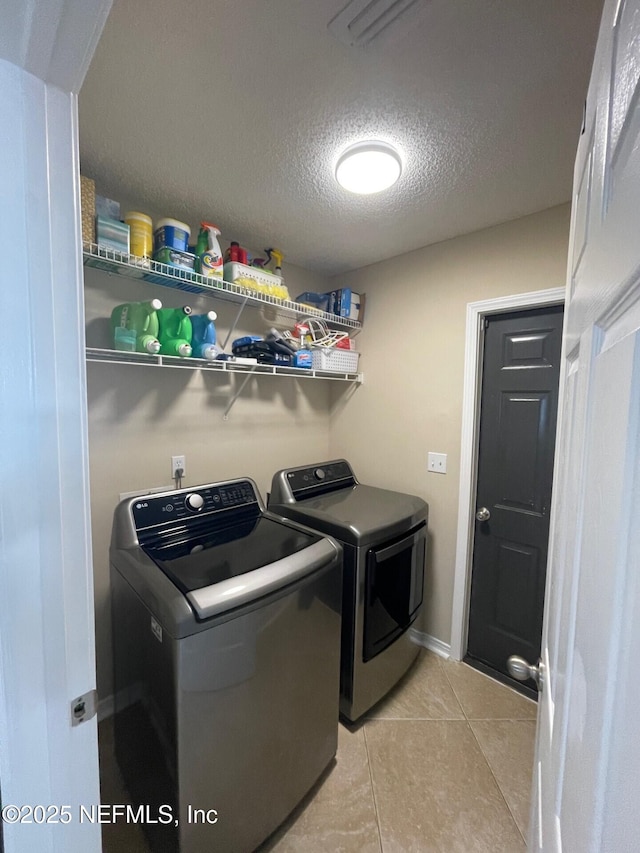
pixel 203 341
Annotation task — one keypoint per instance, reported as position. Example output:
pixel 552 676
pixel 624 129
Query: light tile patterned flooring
pixel 442 764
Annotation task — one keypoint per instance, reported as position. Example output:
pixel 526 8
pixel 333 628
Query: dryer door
pixel 394 587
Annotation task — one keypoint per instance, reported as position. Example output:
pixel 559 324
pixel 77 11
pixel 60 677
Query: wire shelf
pixel 108 356
pixel 132 266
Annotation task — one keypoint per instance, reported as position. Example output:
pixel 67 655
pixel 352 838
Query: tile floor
pixel 441 764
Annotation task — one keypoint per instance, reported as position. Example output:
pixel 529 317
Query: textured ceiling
pixel 236 111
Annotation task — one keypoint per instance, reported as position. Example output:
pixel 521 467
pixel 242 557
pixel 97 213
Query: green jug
pixel 135 326
pixel 175 331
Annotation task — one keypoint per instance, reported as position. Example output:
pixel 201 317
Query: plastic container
pixel 135 326
pixel 172 234
pixel 173 258
pixel 140 233
pixel 339 360
pixel 303 358
pixel 203 339
pixel 175 331
pixel 256 279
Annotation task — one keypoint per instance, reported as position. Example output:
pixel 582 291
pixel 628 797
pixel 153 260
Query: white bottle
pixel 209 252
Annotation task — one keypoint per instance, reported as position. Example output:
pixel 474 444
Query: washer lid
pixel 252 586
pixel 359 515
pixel 212 554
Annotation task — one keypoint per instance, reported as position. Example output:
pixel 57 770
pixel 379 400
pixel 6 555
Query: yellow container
pixel 141 227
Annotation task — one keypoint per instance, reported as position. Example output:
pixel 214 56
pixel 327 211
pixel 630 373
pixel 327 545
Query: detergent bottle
pixel 135 326
pixel 175 331
pixel 203 341
pixel 209 263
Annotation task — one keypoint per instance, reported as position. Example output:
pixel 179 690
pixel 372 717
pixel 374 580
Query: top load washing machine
pixel 226 628
pixel 384 536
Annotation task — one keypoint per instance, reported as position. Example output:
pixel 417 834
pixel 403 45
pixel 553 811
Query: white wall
pixel 140 416
pixel 413 353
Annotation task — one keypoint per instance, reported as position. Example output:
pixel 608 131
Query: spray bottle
pixel 209 262
pixel 135 326
pixel 203 339
pixel 175 331
pixel 277 257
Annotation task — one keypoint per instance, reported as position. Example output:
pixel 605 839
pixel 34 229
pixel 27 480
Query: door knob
pixel 483 514
pixel 522 670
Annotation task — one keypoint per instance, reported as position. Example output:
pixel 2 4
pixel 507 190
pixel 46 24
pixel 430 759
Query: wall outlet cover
pixel 437 463
pixel 178 463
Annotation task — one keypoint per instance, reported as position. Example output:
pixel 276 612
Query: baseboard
pixel 432 643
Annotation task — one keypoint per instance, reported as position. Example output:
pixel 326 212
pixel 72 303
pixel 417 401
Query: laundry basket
pixel 338 360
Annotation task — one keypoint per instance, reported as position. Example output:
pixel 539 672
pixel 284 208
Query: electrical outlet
pixel 437 463
pixel 178 462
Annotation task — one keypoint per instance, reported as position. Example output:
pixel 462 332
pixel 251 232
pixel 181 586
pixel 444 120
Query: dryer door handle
pixel 243 589
pixel 382 554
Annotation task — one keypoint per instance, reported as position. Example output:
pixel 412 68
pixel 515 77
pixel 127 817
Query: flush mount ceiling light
pixel 368 167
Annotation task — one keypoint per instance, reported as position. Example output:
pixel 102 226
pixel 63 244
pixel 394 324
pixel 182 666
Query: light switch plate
pixel 437 463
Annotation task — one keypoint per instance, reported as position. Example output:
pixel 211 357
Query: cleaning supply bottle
pixel 232 255
pixel 203 341
pixel 277 257
pixel 135 326
pixel 175 331
pixel 209 263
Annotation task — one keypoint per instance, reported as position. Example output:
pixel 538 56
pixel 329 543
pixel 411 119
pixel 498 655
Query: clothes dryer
pixel 384 539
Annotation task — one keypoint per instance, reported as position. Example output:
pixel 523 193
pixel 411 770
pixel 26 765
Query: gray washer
pixel 226 628
pixel 384 536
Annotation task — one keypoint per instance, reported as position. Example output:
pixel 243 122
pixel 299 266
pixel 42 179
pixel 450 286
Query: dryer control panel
pixel 188 504
pixel 320 479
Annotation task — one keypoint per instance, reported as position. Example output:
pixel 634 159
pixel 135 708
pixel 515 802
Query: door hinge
pixel 84 707
pixel 486 322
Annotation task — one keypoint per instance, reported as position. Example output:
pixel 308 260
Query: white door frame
pixel 47 657
pixel 474 345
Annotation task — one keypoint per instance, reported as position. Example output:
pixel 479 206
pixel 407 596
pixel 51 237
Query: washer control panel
pixel 184 505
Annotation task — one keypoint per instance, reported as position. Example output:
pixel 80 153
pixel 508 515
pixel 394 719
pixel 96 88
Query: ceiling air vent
pixel 362 21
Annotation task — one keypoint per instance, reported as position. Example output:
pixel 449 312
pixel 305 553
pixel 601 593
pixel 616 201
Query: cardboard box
pixel 112 234
pixel 345 303
pixel 319 301
pixel 88 209
pixel 107 207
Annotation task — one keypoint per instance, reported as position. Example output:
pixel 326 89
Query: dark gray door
pixel 518 415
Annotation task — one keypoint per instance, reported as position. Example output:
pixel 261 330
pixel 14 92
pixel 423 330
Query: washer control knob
pixel 319 474
pixel 194 501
